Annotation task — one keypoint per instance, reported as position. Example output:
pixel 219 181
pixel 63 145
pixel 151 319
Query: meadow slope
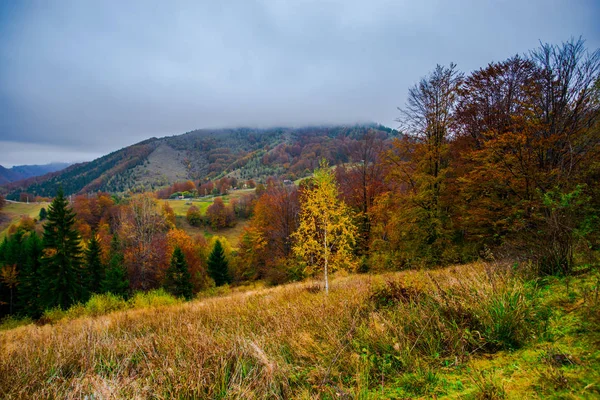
pixel 462 332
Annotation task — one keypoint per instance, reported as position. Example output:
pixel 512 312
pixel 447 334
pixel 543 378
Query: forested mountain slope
pixel 245 153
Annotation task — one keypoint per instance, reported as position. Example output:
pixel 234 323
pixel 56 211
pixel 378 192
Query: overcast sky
pixel 79 79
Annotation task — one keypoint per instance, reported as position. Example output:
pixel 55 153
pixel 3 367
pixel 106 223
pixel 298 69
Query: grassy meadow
pixel 471 331
pixel 13 211
pixel 180 208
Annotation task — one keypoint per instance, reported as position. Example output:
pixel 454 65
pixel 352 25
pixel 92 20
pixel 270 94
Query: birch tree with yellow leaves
pixel 326 233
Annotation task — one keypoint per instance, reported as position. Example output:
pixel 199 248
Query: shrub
pixel 100 304
pixel 153 298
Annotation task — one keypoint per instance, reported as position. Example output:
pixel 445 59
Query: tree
pixel 496 121
pixel 218 267
pixel 326 233
pixel 9 276
pixel 177 277
pixel 527 144
pixel 2 202
pixel 142 229
pixel 266 242
pixel 362 181
pixel 94 266
pixel 29 287
pixel 61 270
pixel 43 214
pixel 194 216
pixel 220 215
pixel 419 167
pixel 195 252
pixel 115 280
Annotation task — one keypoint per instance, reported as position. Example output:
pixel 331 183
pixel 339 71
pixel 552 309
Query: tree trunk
pixel 326 260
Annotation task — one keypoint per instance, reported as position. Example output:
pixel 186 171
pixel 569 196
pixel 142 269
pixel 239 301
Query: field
pixel 180 207
pixel 471 331
pixel 14 210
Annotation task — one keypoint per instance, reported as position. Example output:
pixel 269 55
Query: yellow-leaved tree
pixel 326 232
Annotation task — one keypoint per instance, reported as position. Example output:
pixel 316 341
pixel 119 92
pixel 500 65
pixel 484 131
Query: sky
pixel 82 78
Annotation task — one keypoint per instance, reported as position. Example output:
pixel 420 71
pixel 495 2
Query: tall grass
pixel 282 342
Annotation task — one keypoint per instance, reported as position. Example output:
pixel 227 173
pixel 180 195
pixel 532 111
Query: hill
pixel 20 172
pixel 412 334
pixel 243 153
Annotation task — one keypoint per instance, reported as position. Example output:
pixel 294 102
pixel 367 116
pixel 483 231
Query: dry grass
pixel 371 336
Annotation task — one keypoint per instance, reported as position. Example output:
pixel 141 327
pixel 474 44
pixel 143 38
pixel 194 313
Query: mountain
pixel 245 153
pixel 20 172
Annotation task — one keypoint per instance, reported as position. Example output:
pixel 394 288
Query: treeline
pixel 500 163
pixel 191 189
pixel 126 247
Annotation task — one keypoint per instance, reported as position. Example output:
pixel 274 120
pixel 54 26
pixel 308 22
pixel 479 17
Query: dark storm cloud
pixel 83 78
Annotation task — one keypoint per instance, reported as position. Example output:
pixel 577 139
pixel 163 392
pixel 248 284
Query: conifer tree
pixel 61 270
pixel 177 278
pixel 12 262
pixel 115 280
pixel 218 265
pixel 95 269
pixel 29 286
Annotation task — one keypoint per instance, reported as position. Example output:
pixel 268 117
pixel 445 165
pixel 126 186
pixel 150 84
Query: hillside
pixel 12 212
pixel 20 172
pixel 203 154
pixel 399 335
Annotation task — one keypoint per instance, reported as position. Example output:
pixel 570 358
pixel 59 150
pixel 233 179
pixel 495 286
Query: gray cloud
pixel 91 77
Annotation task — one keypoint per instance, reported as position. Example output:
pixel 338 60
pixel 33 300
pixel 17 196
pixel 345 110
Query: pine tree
pixel 95 269
pixel 218 266
pixel 43 214
pixel 177 278
pixel 115 280
pixel 29 287
pixel 12 262
pixel 61 270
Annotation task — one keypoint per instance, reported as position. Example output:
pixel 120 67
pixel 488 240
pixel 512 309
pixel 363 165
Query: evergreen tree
pixel 177 278
pixel 43 214
pixel 115 280
pixel 61 270
pixel 95 269
pixel 218 266
pixel 29 287
pixel 12 260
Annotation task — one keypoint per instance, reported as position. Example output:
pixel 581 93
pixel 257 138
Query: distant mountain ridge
pixel 20 172
pixel 245 153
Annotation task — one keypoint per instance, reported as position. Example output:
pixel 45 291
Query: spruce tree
pixel 218 266
pixel 61 270
pixel 115 280
pixel 11 271
pixel 29 286
pixel 177 278
pixel 95 268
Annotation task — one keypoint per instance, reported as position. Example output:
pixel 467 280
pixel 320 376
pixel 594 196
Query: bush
pixel 153 298
pixel 194 216
pixel 11 322
pixel 100 304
